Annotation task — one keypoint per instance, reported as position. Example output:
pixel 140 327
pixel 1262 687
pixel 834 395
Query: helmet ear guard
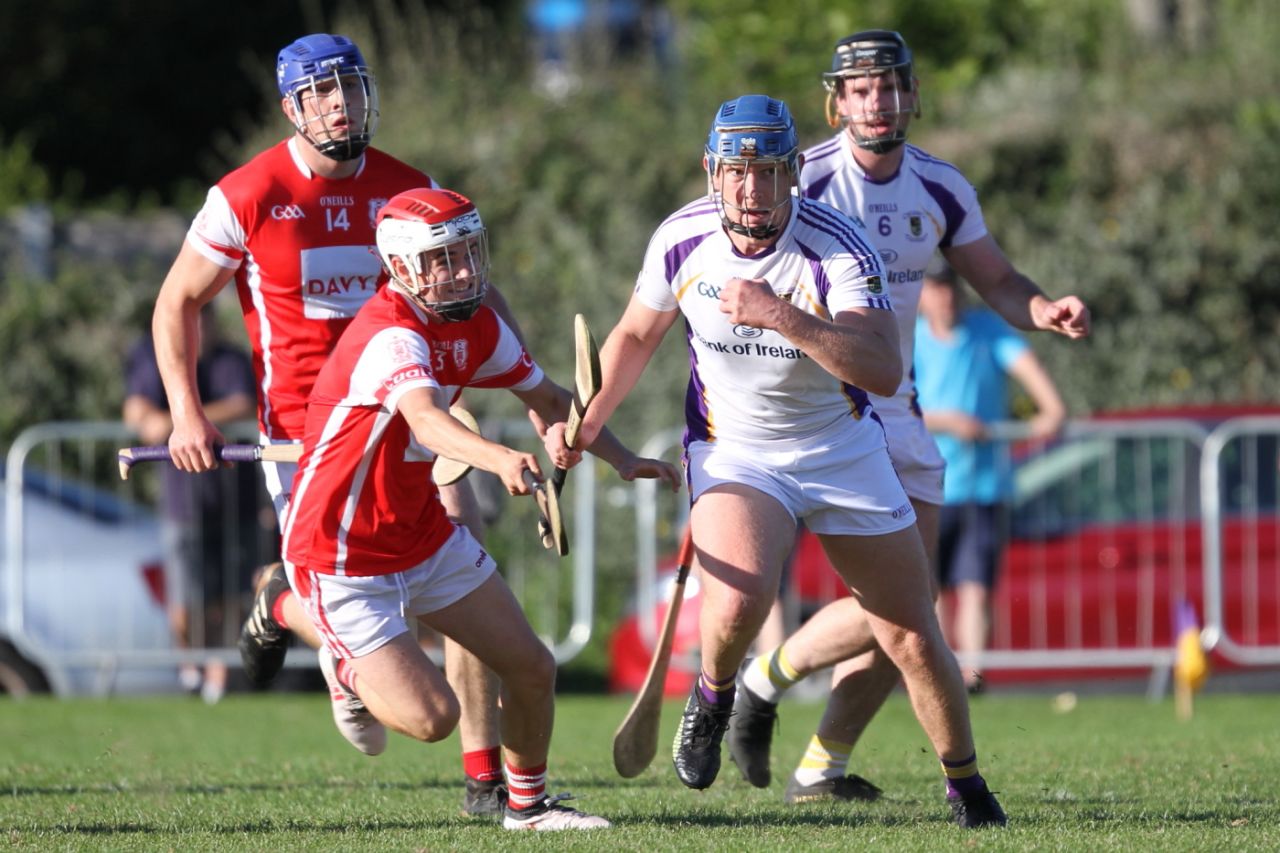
pixel 314 59
pixel 418 222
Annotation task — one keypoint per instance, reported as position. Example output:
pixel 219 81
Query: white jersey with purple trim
pixel 753 385
pixel 926 205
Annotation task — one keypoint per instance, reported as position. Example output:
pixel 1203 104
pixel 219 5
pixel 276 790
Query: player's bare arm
pixel 548 400
pixel 192 281
pixel 444 435
pixel 860 347
pixel 1014 296
pixel 623 358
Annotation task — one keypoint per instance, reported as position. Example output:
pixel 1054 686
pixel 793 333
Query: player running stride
pixel 913 205
pixel 789 327
pixel 368 546
pixel 294 227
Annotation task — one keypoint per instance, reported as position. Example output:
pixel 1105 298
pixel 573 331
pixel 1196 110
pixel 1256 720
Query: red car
pixel 1105 542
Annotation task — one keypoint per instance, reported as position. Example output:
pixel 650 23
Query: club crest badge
pixel 399 351
pixel 375 205
pixel 460 354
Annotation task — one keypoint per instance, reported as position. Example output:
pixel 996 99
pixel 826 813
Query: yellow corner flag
pixel 1191 665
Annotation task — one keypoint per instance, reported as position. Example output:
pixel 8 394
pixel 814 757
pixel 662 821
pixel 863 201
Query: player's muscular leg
pixel 742 537
pixel 474 683
pixel 890 575
pixel 299 623
pixel 490 624
pixel 862 683
pixel 406 691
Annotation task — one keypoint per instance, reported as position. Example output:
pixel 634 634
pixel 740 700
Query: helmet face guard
pixel 332 92
pixel 750 135
pixel 443 249
pixel 883 60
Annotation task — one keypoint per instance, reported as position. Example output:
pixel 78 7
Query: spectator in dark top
pixel 204 516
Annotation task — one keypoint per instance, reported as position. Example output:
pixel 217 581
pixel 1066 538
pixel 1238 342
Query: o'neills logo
pixel 460 352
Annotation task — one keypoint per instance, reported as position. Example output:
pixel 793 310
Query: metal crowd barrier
pixel 1112 526
pixel 83 590
pixel 1239 483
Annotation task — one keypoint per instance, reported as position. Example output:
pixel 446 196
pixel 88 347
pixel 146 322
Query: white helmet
pixel 413 227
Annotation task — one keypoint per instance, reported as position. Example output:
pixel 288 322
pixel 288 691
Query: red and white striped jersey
pixel 363 500
pixel 305 257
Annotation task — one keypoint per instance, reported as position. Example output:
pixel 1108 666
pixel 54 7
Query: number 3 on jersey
pixel 336 219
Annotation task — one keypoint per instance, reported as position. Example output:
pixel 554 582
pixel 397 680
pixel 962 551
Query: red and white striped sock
pixel 277 608
pixel 526 786
pixel 346 675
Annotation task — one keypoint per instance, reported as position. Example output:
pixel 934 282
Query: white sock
pixel 823 759
pixel 769 676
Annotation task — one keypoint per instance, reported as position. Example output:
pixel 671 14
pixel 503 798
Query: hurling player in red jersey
pixel 294 229
pixel 367 549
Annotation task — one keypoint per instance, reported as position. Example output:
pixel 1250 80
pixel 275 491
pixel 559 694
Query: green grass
pixel 269 772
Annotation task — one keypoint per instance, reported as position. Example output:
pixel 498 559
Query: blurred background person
pixel 964 357
pixel 203 516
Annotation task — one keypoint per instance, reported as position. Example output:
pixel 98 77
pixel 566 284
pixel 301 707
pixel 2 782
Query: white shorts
pixel 359 615
pixel 279 477
pixel 838 486
pixel 913 451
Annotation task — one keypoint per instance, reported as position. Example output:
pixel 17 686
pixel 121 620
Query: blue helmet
pixel 753 127
pixel 748 130
pixel 321 57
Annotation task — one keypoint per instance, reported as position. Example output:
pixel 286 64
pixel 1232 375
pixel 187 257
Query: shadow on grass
pixel 815 819
pixel 229 788
pixel 267 827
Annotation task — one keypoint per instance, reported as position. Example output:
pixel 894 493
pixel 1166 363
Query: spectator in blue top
pixel 963 359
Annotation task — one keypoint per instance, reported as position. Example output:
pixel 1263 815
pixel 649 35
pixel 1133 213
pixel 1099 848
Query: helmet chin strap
pixel 756 232
pixel 877 145
pixel 759 232
pixel 458 312
pixel 342 150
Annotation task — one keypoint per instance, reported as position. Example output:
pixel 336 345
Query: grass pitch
pixel 269 772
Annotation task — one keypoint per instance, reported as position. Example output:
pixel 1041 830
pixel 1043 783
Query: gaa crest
pixel 460 353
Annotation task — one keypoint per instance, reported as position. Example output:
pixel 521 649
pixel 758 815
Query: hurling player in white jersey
pixel 368 546
pixel 913 205
pixel 294 229
pixel 788 329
